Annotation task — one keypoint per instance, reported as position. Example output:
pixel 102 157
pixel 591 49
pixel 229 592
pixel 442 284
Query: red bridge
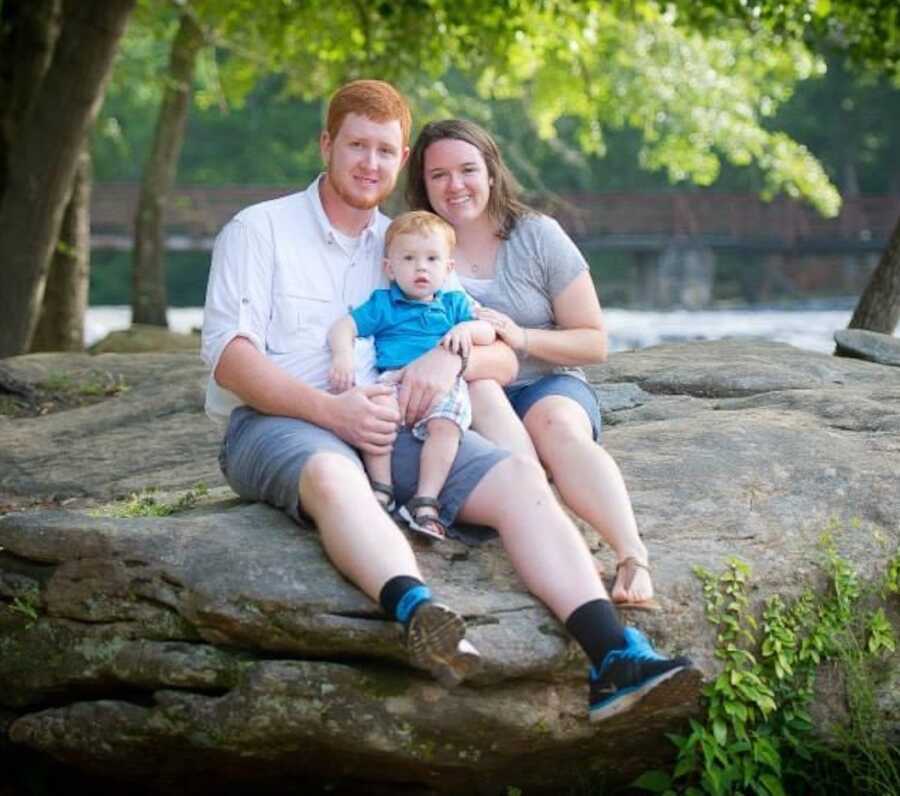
pixel 626 221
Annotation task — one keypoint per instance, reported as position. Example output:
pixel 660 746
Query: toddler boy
pixel 411 317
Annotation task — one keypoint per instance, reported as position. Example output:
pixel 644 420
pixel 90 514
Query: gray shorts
pixel 262 457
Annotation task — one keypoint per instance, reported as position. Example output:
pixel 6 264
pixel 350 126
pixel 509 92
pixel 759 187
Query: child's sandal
pixel 426 524
pixel 388 491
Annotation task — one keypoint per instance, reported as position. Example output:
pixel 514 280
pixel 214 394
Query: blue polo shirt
pixel 404 328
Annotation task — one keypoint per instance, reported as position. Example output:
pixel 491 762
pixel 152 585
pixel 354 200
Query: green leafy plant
pixel 27 605
pixel 147 504
pixel 757 736
pixel 94 384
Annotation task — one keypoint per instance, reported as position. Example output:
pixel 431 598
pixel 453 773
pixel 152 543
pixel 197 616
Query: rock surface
pixel 872 346
pixel 219 642
pixel 141 338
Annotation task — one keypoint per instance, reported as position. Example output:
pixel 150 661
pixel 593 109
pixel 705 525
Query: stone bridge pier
pixel 680 275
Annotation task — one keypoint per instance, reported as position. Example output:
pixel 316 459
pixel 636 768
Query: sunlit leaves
pixel 696 100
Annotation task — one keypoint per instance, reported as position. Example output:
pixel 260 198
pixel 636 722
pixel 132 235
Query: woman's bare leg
pixel 590 483
pixel 494 418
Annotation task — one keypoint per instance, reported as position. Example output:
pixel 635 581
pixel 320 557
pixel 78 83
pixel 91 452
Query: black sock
pixel 402 595
pixel 596 627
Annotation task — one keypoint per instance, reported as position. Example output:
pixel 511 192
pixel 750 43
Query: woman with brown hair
pixel 535 288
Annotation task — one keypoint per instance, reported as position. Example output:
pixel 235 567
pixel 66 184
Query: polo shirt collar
pixel 399 297
pixel 325 226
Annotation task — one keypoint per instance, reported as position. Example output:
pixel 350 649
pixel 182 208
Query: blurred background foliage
pixel 583 97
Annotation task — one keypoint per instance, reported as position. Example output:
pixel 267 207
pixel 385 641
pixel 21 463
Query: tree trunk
pixel 878 309
pixel 61 325
pixel 42 159
pixel 148 299
pixel 28 31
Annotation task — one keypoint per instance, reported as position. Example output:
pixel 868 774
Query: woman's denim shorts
pixel 525 396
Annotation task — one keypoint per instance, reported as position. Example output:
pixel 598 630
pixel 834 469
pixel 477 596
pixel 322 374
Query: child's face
pixel 419 263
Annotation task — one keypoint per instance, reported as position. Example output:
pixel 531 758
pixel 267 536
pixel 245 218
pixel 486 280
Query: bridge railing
pixel 720 215
pixel 196 213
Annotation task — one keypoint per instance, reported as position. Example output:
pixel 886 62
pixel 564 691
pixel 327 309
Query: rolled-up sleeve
pixel 238 295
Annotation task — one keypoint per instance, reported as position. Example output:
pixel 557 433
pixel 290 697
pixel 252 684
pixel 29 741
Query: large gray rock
pixel 872 346
pixel 153 433
pixel 219 642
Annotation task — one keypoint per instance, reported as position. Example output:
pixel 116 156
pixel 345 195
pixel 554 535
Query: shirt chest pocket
pixel 298 322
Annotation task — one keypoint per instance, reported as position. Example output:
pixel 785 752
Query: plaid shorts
pixel 454 407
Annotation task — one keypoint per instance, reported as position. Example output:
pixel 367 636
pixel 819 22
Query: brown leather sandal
pixel 631 566
pixel 426 524
pixel 385 491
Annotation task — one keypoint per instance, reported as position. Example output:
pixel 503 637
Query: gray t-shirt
pixel 533 267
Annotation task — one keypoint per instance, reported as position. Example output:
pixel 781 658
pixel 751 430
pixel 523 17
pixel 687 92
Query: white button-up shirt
pixel 280 277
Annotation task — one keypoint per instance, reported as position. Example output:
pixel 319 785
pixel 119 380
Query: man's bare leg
pixel 551 557
pixel 366 546
pixel 361 540
pixel 544 545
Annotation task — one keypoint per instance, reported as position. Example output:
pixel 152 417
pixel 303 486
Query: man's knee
pixel 499 495
pixel 515 475
pixel 524 470
pixel 327 478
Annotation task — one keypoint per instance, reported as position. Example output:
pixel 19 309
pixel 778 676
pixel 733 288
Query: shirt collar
pixel 399 297
pixel 325 226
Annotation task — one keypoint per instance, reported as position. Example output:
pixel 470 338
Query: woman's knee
pixel 557 421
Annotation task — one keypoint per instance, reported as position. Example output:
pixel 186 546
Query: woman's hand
pixel 507 329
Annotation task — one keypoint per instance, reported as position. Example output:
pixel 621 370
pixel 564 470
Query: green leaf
pixel 766 753
pixel 684 766
pixel 654 781
pixel 773 784
pixel 720 731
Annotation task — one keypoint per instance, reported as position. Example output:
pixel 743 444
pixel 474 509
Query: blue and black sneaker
pixel 629 674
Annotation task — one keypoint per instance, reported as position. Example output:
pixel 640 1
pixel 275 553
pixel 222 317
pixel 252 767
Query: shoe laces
pixel 637 648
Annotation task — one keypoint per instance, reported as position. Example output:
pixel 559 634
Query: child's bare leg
pixel 494 418
pixel 438 454
pixel 378 467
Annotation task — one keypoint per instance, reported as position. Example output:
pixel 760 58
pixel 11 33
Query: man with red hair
pixel 283 271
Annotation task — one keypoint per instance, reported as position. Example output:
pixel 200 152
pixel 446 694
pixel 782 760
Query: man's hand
pixel 425 381
pixel 341 377
pixel 362 422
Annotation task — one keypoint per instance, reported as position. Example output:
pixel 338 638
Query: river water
pixel 810 326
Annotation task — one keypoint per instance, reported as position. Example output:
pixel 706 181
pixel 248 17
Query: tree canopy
pixel 700 83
